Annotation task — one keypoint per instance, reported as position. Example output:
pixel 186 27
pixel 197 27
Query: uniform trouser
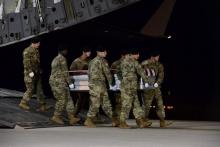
pixel 130 100
pixel 149 95
pixel 99 97
pixel 34 85
pixel 63 98
pixel 117 108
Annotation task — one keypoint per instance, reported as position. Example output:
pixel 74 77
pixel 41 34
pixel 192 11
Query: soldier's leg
pixel 30 86
pixel 70 108
pixel 117 109
pixel 160 109
pixel 148 98
pixel 79 103
pixel 94 105
pixel 106 104
pixel 39 91
pixel 126 104
pixel 95 101
pixel 139 112
pixel 41 96
pixel 60 96
pixel 160 106
pixel 127 99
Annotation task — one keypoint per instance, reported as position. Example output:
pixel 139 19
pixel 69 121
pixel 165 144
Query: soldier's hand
pixel 31 74
pixel 113 88
pixel 156 85
pixel 146 85
pixel 72 86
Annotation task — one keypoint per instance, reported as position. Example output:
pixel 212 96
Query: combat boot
pixel 72 119
pixel 57 119
pixel 164 123
pixel 115 122
pixel 142 123
pixel 24 105
pixel 44 108
pixel 148 122
pixel 89 123
pixel 124 125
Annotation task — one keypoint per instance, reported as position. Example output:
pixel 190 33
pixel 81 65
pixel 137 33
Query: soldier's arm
pixel 113 68
pixel 27 61
pixel 64 69
pixel 107 72
pixel 89 69
pixel 118 72
pixel 116 68
pixel 73 66
pixel 141 72
pixel 160 74
pixel 144 63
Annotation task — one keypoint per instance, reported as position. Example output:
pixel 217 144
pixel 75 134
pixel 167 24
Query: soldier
pixel 115 67
pixel 155 73
pixel 81 63
pixel 59 82
pixel 98 74
pixel 32 76
pixel 129 85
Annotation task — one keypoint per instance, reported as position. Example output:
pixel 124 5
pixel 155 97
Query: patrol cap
pixel 35 40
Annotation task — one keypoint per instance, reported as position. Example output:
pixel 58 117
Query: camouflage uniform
pixel 59 82
pixel 79 64
pixel 129 85
pixel 116 66
pixel 155 74
pixel 98 73
pixel 31 61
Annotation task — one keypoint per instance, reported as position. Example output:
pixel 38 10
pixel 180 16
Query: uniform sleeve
pixel 27 61
pixel 115 66
pixel 140 71
pixel 107 72
pixel 118 72
pixel 73 66
pixel 144 63
pixel 160 74
pixel 64 69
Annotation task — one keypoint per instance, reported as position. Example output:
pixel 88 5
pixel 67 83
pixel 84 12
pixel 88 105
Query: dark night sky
pixel 190 58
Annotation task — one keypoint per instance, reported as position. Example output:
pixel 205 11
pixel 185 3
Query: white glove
pixel 113 88
pixel 118 84
pixel 72 86
pixel 146 85
pixel 31 74
pixel 156 85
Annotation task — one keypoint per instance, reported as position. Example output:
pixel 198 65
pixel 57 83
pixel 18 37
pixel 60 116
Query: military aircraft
pixel 24 19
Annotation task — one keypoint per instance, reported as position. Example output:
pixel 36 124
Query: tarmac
pixel 180 134
pixel 32 129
